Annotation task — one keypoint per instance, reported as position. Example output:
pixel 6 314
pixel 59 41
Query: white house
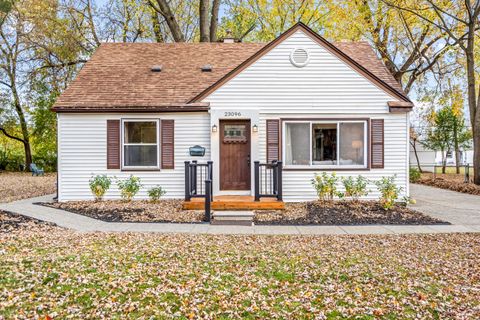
pixel 429 158
pixel 315 106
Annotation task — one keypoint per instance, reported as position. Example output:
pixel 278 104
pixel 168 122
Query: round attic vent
pixel 299 57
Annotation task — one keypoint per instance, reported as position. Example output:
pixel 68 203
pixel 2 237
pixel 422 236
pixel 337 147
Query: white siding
pixel 325 85
pixel 82 153
pixel 325 88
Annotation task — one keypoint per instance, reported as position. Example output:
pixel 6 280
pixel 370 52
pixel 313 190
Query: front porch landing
pixel 235 203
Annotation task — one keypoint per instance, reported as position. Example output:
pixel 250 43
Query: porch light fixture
pixel 255 128
pixel 214 128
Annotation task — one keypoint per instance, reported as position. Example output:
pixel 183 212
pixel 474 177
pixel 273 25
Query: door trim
pixel 248 132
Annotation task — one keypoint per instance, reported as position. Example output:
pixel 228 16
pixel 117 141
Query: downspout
pixel 407 191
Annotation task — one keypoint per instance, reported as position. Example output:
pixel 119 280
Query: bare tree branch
pixel 11 136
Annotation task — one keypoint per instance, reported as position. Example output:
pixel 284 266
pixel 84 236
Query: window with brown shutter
pixel 113 144
pixel 167 138
pixel 377 143
pixel 273 140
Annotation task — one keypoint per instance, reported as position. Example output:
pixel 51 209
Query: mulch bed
pixel 305 213
pixel 450 183
pixel 10 222
pixel 342 213
pixel 134 211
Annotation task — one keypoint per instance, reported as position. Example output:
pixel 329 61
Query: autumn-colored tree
pixel 408 47
pixel 460 21
pixel 461 135
pixel 264 20
pixel 447 132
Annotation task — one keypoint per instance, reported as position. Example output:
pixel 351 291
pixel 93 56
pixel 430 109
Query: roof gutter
pixel 184 107
pixel 400 106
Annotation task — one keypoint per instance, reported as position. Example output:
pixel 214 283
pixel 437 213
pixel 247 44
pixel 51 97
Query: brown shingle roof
pixel 364 54
pixel 119 76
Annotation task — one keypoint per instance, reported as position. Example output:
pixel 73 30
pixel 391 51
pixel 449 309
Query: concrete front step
pixel 239 218
pixel 235 203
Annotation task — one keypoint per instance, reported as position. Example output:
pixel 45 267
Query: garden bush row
pixel 100 184
pixel 324 184
pixel 326 187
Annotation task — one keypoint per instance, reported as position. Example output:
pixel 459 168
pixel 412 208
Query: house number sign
pixel 232 114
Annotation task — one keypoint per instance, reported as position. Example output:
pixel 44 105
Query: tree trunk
pixel 214 20
pixel 472 103
pixel 28 154
pixel 476 148
pixel 204 33
pixel 456 147
pixel 26 138
pixel 172 23
pixel 444 161
pixel 23 123
pixel 414 146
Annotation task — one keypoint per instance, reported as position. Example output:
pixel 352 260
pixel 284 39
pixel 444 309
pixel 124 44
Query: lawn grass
pixel 453 170
pixel 63 274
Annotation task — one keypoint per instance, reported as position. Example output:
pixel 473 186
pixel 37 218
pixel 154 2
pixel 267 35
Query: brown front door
pixel 235 155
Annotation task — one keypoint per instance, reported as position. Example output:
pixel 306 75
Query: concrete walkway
pixel 454 207
pixel 84 224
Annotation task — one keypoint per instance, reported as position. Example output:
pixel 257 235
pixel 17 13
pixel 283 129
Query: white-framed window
pixel 140 143
pixel 325 144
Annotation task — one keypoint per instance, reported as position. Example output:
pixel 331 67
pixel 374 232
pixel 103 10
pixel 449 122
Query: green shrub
pixel 99 185
pixel 355 188
pixel 325 185
pixel 414 174
pixel 129 187
pixel 46 160
pixel 156 193
pixel 15 160
pixel 389 191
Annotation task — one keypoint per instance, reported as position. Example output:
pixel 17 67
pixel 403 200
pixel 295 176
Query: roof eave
pixel 399 106
pixel 182 107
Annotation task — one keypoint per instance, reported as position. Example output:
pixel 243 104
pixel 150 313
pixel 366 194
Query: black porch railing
pixel 268 180
pixel 198 183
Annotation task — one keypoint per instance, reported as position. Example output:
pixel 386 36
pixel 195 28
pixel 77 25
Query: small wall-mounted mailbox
pixel 197 151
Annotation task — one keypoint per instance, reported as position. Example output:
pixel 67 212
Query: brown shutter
pixel 377 143
pixel 113 144
pixel 273 140
pixel 167 139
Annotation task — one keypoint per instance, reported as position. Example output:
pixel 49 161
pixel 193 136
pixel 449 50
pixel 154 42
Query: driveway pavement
pixel 454 207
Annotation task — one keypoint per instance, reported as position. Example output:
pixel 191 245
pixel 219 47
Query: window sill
pixel 139 169
pixel 320 168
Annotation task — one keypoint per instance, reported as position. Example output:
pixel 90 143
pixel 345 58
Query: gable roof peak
pixel 390 86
